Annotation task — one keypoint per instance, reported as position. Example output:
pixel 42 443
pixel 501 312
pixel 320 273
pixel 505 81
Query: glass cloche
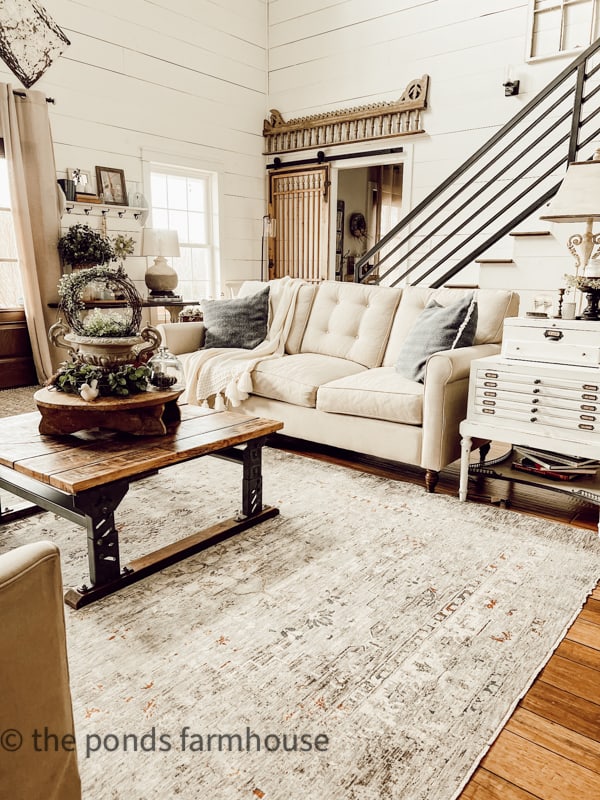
pixel 166 371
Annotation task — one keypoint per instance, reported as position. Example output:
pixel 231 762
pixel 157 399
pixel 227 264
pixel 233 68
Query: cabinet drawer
pixel 550 352
pixel 540 410
pixel 523 382
pixel 576 401
pixel 525 420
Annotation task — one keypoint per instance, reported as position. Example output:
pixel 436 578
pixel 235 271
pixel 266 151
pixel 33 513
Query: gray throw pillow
pixel 437 328
pixel 240 322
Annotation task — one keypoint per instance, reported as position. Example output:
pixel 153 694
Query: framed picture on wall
pixel 111 187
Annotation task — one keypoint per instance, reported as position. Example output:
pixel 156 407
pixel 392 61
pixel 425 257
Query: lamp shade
pixel 160 242
pixel 578 197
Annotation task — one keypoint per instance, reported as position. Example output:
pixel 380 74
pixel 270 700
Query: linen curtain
pixel 25 128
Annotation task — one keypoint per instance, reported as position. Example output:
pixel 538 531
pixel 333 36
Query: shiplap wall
pixel 329 54
pixel 193 80
pixel 183 78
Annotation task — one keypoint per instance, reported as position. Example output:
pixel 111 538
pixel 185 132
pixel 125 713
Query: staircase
pixel 506 181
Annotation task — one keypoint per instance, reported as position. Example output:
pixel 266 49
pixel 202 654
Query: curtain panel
pixel 25 129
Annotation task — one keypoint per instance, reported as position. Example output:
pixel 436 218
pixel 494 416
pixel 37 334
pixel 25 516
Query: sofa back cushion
pixel 493 305
pixel 352 321
pixel 304 301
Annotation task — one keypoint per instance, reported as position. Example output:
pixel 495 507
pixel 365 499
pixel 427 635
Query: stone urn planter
pixel 105 351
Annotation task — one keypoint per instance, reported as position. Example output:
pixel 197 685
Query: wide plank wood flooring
pixel 550 747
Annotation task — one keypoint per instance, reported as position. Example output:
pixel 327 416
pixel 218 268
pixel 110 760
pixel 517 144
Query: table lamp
pixel 578 200
pixel 160 278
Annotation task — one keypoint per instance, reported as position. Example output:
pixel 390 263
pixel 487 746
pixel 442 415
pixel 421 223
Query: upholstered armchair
pixel 38 760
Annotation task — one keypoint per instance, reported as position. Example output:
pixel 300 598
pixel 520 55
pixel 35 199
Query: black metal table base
pixel 165 556
pixel 94 509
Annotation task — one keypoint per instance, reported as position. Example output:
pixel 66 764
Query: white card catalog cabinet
pixel 552 407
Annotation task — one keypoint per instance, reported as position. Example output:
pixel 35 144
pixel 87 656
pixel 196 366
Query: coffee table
pixel 83 477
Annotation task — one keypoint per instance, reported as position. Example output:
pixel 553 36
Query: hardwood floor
pixel 550 747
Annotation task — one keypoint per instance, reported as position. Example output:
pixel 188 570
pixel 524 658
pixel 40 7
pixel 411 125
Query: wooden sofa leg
pixel 431 479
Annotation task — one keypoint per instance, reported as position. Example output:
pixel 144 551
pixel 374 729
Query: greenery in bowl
pixel 122 381
pixel 106 323
pixel 81 245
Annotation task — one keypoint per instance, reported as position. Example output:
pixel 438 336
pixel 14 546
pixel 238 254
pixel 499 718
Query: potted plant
pixel 81 246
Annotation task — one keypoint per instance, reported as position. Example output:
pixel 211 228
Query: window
pixel 186 201
pixel 561 26
pixel 11 291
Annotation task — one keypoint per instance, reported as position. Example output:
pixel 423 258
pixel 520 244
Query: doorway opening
pixel 369 204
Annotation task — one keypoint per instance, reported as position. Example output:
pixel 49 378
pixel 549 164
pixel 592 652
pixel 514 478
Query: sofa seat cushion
pixel 379 393
pixel 296 378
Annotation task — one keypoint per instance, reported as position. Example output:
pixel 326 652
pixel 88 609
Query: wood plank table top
pixel 74 463
pixel 84 476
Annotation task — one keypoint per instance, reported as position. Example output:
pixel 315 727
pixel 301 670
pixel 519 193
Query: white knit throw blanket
pixel 222 376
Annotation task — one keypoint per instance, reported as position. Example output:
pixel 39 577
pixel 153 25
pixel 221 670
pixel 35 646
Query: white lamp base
pixel 161 278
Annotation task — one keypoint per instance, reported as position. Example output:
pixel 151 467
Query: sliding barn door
pixel 299 206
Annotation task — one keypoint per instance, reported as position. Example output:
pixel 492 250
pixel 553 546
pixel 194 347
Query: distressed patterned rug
pixel 366 644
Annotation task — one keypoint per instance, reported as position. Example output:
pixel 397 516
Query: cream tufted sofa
pixel 337 385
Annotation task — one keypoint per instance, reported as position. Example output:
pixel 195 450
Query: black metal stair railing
pixel 503 183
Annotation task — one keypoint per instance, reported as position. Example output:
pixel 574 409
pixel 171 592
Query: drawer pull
pixel 489 394
pixel 537 400
pixel 590 387
pixel 490 411
pixel 539 380
pixel 588 408
pixel 490 383
pixel 534 419
pixel 536 391
pixel 585 427
pixel 589 396
pixel 554 335
pixel 489 402
pixel 491 374
pixel 535 410
pixel 587 416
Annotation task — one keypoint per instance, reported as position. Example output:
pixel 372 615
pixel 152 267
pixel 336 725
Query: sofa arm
pixel 445 402
pixel 182 337
pixel 452 365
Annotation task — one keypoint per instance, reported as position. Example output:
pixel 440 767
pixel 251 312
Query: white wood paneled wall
pixel 184 78
pixel 194 79
pixel 328 54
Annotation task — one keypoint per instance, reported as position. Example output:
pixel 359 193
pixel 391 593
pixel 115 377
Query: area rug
pixel 368 643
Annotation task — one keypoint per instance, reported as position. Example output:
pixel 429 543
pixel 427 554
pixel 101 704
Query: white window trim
pixel 177 165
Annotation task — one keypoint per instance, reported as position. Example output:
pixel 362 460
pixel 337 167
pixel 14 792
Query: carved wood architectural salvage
pixel 399 118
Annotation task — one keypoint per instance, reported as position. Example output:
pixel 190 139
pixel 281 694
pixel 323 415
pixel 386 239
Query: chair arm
pixel 445 402
pixel 182 337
